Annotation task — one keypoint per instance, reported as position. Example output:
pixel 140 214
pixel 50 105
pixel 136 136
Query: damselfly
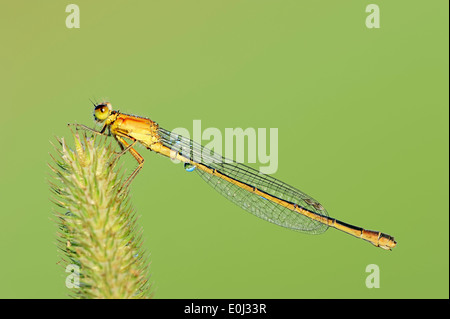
pixel 262 195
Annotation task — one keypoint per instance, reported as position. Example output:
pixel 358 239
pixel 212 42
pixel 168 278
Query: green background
pixel 362 117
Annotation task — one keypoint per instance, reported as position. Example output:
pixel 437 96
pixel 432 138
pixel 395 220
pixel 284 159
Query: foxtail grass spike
pixel 98 237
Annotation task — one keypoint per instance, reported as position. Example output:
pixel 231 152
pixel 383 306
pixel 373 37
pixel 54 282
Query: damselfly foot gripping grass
pixel 257 193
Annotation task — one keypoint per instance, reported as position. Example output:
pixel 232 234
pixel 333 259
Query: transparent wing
pixel 251 202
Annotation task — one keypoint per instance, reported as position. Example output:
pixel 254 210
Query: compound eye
pixel 102 111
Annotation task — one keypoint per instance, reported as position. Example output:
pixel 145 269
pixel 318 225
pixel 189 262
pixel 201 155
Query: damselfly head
pixel 102 111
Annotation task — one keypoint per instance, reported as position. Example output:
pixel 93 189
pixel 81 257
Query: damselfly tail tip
pixel 386 242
